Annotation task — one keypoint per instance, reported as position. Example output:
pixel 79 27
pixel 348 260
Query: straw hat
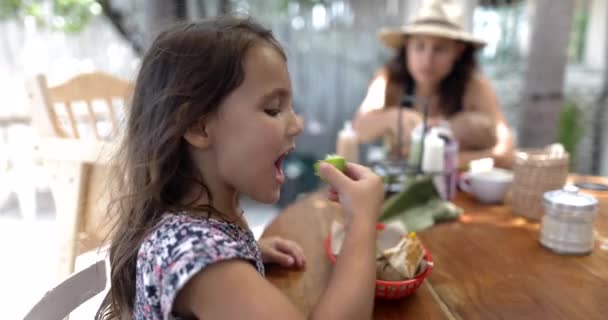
pixel 440 18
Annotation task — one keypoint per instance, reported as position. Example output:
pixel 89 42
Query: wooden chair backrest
pixel 76 123
pixel 87 105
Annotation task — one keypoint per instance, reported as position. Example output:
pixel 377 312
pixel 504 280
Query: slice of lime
pixel 333 159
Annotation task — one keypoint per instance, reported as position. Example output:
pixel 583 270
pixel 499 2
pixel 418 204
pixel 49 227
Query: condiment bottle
pixel 432 153
pixel 347 144
pixel 413 159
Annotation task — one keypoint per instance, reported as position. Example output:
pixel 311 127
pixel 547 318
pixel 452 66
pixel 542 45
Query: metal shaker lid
pixel 570 198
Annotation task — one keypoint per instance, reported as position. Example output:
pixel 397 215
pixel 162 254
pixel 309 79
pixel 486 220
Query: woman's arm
pixel 481 97
pixel 373 120
pixel 370 121
pixel 374 124
pixel 474 130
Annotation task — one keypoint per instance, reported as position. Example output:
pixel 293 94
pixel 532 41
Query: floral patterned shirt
pixel 178 248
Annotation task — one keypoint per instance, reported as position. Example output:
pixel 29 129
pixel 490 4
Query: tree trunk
pixel 225 6
pixel 117 19
pixel 600 135
pixel 159 14
pixel 544 79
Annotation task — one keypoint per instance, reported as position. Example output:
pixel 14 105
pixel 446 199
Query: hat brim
pixel 393 37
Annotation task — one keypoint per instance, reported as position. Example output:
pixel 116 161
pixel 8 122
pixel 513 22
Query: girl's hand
pixel 358 189
pixel 281 251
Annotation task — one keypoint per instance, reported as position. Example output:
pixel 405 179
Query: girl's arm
pixel 233 289
pixel 481 97
pixel 350 292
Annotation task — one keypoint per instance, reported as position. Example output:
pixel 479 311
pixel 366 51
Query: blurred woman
pixel 435 62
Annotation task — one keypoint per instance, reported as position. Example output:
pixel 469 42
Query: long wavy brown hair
pixel 184 77
pixel 452 87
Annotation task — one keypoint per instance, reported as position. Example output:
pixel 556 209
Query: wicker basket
pixel 535 172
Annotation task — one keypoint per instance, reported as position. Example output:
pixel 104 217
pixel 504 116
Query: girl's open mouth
pixel 279 174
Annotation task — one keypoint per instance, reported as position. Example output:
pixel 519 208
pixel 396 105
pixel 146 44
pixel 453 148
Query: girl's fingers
pixel 334 177
pixel 280 258
pixel 293 249
pixel 356 171
pixel 333 195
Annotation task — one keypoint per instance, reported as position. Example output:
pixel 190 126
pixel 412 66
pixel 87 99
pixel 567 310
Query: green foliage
pixel 9 8
pixel 76 13
pixel 578 35
pixel 570 129
pixel 70 16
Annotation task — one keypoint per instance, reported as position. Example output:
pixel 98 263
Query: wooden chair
pixel 60 301
pixel 77 123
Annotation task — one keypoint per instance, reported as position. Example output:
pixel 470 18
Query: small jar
pixel 567 223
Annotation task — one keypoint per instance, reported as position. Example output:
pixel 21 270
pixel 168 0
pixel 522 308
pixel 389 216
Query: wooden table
pixel 488 265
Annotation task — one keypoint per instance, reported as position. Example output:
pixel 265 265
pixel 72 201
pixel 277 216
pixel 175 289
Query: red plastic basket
pixel 392 289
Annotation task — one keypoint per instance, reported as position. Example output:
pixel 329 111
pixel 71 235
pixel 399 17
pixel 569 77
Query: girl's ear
pixel 198 136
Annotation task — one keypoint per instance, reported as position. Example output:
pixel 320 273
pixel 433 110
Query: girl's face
pixel 254 129
pixel 430 59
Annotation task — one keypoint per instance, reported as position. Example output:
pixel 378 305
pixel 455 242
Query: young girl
pixel 211 119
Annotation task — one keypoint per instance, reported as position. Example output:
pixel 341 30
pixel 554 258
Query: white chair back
pixel 71 293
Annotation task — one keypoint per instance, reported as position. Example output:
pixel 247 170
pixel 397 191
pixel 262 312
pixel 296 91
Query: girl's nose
pixel 296 126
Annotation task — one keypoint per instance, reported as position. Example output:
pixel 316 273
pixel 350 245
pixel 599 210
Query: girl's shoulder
pixel 181 235
pixel 179 221
pixel 178 248
pixel 180 227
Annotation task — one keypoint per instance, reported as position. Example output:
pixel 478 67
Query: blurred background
pixel 332 51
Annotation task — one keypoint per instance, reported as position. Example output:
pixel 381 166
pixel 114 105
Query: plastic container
pixel 567 224
pixel 433 154
pixel 413 159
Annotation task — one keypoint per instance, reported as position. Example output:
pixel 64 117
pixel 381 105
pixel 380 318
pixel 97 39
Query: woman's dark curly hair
pixel 452 87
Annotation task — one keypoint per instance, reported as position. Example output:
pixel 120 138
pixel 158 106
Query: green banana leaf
pixel 418 206
pixel 417 191
pixel 426 215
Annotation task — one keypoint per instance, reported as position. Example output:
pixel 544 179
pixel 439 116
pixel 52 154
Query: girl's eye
pixel 273 112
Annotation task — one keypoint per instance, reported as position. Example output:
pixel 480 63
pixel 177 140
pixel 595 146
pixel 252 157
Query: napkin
pixel 387 237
